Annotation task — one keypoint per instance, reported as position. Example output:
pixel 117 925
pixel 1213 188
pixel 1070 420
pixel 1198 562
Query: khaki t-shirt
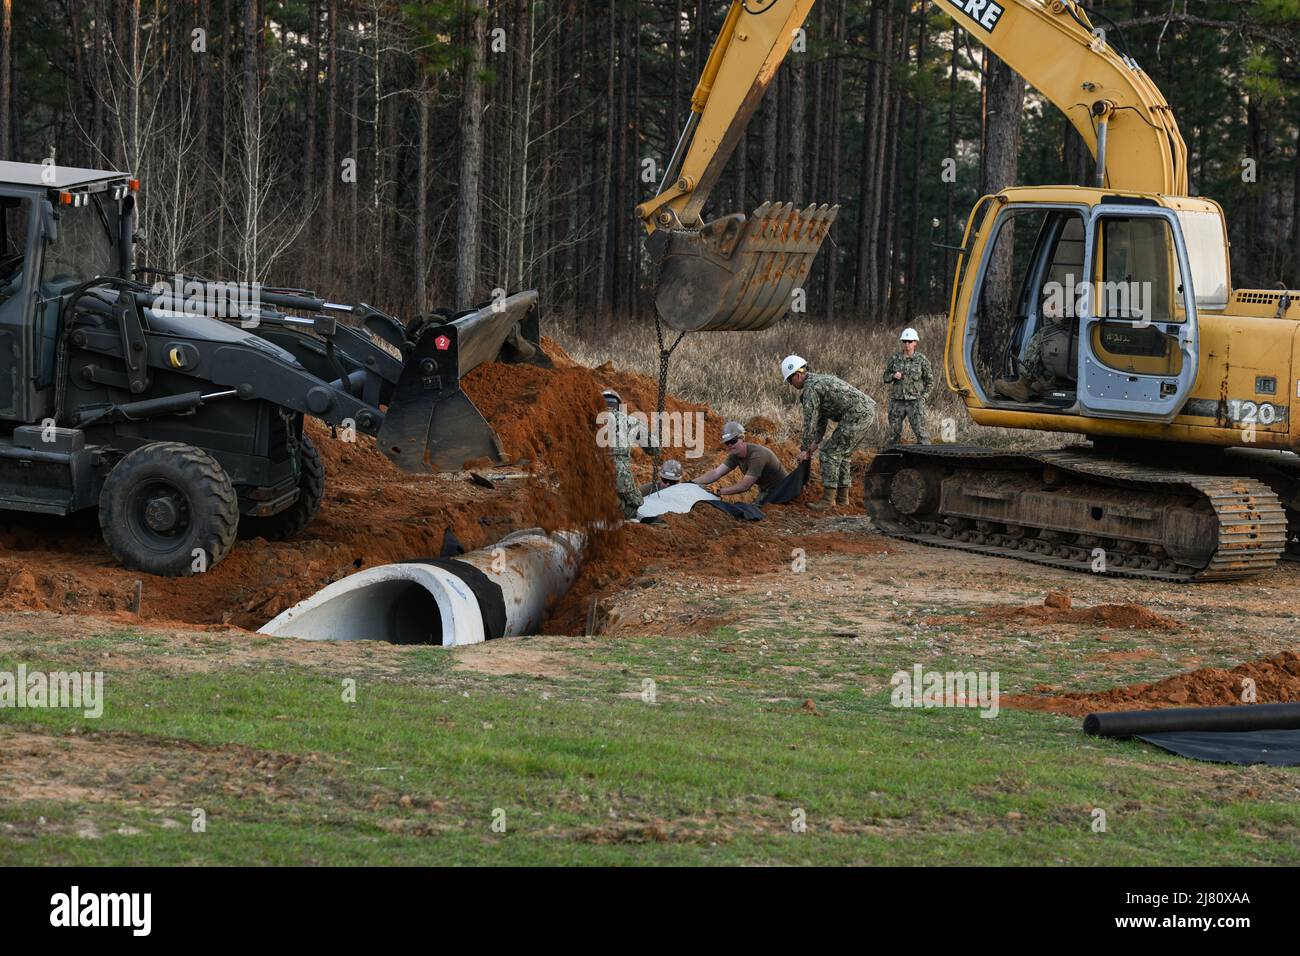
pixel 760 462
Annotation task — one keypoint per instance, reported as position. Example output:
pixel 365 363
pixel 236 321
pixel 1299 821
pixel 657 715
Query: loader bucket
pixel 736 274
pixel 431 425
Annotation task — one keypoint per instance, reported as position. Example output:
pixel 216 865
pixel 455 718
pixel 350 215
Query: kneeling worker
pixel 826 398
pixel 760 465
pixel 669 474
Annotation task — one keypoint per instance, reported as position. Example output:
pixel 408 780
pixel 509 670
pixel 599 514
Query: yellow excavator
pixel 1106 311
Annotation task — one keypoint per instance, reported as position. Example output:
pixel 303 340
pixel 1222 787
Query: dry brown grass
pixel 738 373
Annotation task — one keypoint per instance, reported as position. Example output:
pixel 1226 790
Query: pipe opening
pixel 396 611
pixel 413 616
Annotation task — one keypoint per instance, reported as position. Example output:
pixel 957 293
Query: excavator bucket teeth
pixel 431 424
pixel 736 274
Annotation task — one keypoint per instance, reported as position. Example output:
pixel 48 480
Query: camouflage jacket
pixel 826 398
pixel 917 380
pixel 619 432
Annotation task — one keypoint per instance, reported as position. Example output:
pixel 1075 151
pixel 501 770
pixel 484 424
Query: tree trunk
pixel 471 161
pixel 422 194
pixel 331 121
pixel 1004 100
pixel 313 71
pixel 6 53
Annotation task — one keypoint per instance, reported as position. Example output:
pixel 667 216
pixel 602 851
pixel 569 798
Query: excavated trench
pixel 375 515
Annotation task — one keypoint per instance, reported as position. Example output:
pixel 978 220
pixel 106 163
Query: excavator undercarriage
pixel 1079 509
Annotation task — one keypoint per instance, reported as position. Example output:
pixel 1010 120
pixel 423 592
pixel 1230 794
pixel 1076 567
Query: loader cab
pixel 59 227
pixel 1079 308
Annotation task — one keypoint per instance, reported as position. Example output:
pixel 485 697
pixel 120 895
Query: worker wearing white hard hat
pixel 827 398
pixel 910 379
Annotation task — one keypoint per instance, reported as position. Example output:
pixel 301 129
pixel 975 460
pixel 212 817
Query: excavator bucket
pixel 736 274
pixel 431 424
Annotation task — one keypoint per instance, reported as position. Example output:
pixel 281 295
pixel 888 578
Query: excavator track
pixel 1065 508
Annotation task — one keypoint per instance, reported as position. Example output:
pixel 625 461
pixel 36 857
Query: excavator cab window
pixel 1026 319
pixel 15 215
pixel 1137 295
pixel 1138 327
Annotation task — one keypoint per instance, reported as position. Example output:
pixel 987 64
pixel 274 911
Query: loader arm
pixel 1108 98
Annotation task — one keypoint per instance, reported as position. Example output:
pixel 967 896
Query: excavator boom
pixel 736 272
pixel 1107 97
pixel 739 273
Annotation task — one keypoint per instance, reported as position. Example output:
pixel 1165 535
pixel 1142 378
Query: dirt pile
pixel 1276 681
pixel 374 513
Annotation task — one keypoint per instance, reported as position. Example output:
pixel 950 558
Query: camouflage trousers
pixel 839 447
pixel 911 410
pixel 629 494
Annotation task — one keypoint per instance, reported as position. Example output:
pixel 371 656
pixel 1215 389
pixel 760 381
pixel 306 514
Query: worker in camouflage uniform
pixel 1036 379
pixel 910 378
pixel 825 399
pixel 620 431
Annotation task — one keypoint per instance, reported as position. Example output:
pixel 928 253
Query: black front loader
pixel 177 407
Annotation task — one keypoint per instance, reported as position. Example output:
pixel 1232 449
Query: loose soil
pixel 1277 681
pixel 373 513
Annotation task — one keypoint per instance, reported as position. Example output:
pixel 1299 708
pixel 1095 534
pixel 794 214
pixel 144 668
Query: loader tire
pixel 168 509
pixel 287 523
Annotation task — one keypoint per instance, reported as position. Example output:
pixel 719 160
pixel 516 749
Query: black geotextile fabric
pixel 739 509
pixel 791 486
pixel 1280 748
pixel 1240 734
pixel 486 591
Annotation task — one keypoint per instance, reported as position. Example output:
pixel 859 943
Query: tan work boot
pixel 1016 389
pixel 842 495
pixel 828 499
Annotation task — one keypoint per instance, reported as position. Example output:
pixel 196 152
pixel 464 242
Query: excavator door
pixel 1138 345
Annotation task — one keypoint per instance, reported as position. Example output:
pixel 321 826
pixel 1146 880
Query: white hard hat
pixel 909 335
pixel 791 364
pixel 671 470
pixel 732 430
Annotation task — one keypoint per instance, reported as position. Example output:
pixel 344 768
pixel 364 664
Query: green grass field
pixel 576 767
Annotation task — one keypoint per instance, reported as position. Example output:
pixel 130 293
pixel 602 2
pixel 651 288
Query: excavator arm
pixel 1107 97
pixel 740 273
pixel 736 272
pixel 755 38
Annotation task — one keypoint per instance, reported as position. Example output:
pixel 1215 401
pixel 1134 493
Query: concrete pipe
pixel 498 591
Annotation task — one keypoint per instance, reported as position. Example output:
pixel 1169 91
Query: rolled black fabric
pixel 488 593
pixel 790 487
pixel 1241 717
pixel 737 509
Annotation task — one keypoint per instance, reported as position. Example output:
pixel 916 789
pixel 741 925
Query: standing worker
pixel 669 474
pixel 826 398
pixel 620 449
pixel 910 378
pixel 759 465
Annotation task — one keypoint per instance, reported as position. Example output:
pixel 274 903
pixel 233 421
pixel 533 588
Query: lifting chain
pixel 665 354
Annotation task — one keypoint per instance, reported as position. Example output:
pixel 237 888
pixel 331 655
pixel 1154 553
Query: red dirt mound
pixel 1277 681
pixel 373 513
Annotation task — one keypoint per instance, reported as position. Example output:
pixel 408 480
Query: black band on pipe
pixel 486 591
pixel 1243 717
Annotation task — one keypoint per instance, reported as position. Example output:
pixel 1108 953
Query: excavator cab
pixel 1077 308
